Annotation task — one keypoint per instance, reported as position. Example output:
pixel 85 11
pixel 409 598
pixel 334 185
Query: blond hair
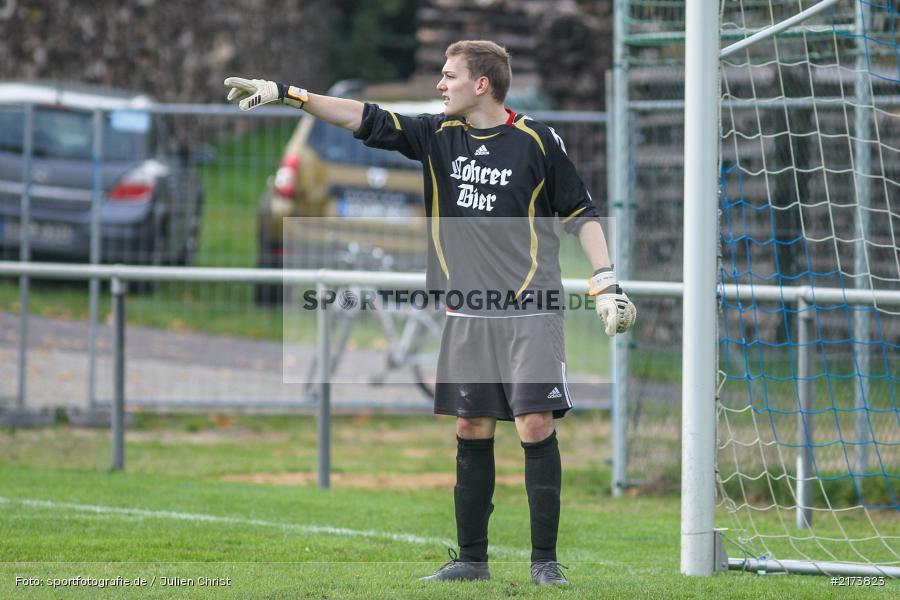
pixel 485 59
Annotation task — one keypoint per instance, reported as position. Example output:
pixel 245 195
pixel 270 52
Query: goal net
pixel 808 440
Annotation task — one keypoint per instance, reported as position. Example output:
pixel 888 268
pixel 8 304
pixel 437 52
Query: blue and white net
pixel 810 198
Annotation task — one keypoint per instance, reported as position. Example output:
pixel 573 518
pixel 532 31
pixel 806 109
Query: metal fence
pixel 119 277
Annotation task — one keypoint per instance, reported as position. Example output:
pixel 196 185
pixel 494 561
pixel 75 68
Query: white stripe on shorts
pixel 565 384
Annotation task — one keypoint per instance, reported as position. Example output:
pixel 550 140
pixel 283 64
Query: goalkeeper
pixel 483 160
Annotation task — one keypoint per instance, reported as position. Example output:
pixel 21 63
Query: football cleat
pixel 548 573
pixel 457 570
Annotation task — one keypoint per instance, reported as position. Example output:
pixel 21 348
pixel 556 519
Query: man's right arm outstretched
pixel 375 127
pixel 253 93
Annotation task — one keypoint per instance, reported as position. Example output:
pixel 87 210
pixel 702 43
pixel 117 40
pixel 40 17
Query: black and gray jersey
pixel 492 197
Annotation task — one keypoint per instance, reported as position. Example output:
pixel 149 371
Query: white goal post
pixel 790 175
pixel 698 384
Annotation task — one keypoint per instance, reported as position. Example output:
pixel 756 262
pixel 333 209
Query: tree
pixel 374 41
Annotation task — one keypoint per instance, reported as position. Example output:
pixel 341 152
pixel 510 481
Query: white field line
pixel 142 513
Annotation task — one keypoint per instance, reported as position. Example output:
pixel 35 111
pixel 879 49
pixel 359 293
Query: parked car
pixel 151 196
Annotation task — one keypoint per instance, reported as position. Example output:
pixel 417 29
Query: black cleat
pixel 548 573
pixel 457 570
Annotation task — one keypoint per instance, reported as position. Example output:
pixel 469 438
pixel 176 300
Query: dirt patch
pixel 360 433
pixel 416 481
pixel 418 452
pixel 209 437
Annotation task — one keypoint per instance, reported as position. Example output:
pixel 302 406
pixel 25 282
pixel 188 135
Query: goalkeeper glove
pixel 256 92
pixel 613 306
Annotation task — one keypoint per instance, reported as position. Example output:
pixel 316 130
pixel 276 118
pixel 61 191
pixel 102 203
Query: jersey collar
pixel 511 117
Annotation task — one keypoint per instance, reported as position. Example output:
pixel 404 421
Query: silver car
pixel 151 196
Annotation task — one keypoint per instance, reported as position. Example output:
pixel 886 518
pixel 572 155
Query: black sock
pixel 543 482
pixel 472 494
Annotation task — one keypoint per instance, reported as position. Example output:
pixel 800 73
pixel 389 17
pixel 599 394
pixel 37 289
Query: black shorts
pixel 502 367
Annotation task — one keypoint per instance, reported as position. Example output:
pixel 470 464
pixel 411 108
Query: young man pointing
pixel 483 161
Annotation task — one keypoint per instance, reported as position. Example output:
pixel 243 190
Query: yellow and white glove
pixel 613 306
pixel 257 92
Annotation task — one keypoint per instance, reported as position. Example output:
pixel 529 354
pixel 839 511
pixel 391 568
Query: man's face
pixel 457 87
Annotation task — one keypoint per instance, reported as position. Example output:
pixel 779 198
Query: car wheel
pixel 268 294
pixel 188 253
pixel 149 251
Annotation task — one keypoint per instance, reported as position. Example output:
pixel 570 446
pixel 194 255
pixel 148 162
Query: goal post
pixel 700 240
pixel 790 420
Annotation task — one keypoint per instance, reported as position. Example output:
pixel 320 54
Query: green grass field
pixel 206 497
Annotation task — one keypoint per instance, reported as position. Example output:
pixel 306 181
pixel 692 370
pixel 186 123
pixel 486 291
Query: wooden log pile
pixel 566 45
pixel 442 22
pixel 173 51
pixel 575 46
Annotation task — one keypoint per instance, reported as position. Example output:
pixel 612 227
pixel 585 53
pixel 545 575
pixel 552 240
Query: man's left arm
pixel 593 242
pixel 572 202
pixel 613 307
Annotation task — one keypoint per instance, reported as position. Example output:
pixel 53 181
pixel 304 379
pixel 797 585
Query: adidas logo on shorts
pixel 554 394
pixel 482 151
